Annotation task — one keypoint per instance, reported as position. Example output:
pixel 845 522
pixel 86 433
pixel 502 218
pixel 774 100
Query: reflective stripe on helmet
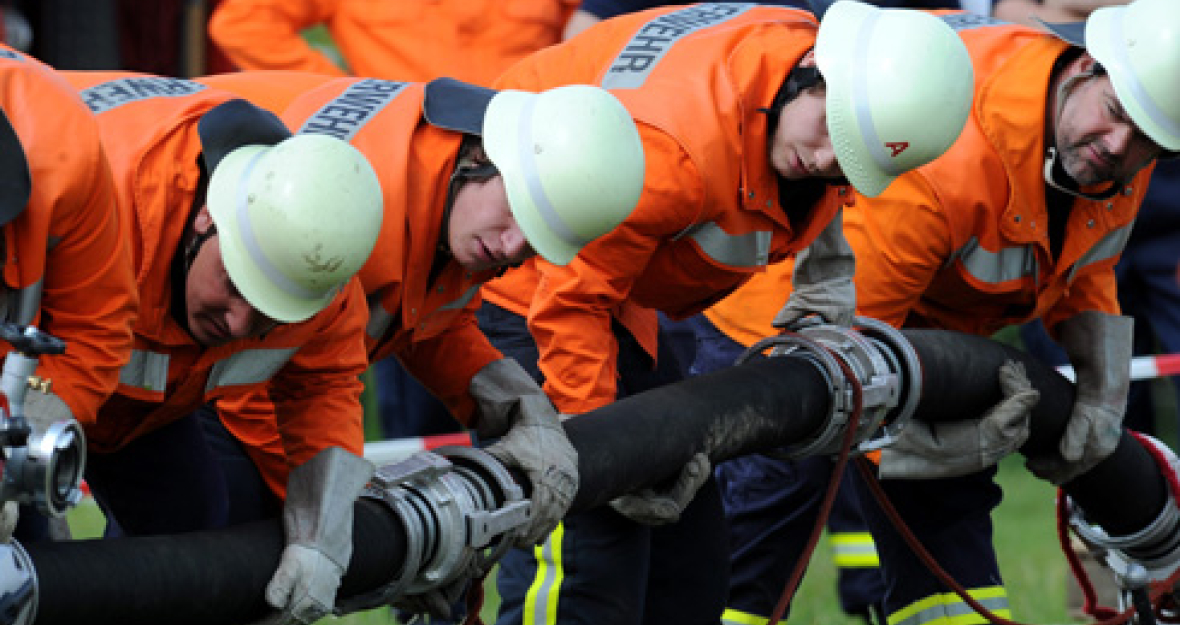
pixel 860 96
pixel 528 162
pixel 1130 79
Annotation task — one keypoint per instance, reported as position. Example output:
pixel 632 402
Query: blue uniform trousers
pixel 771 507
pixel 188 475
pixel 597 566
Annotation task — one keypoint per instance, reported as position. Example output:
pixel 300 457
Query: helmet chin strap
pixel 1056 177
pixel 1054 173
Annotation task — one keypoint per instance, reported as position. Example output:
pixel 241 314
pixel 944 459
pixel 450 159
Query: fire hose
pixel 427 518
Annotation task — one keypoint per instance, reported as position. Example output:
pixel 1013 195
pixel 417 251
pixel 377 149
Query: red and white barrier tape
pixel 1143 367
pixel 393 450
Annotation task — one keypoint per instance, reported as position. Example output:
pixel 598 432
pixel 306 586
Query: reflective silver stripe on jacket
pixel 462 300
pixel 248 367
pixel 379 321
pixel 115 93
pixel 344 116
pixel 734 250
pixel 1010 263
pixel 20 306
pixel 1106 248
pixel 146 370
pixel 639 57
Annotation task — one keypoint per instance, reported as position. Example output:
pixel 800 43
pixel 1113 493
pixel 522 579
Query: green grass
pixel 1026 544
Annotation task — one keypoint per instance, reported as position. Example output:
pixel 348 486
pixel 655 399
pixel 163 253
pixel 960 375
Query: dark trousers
pixel 187 476
pixel 771 506
pixel 405 407
pixel 599 567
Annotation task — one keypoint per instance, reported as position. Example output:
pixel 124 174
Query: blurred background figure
pixel 1028 11
pixel 162 37
pixel 472 40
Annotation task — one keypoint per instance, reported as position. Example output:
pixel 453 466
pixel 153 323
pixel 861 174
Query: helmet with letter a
pixel 899 89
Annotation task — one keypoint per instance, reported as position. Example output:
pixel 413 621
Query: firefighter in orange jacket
pixel 462 201
pixel 245 241
pixel 731 102
pixel 472 40
pixel 1060 146
pixel 63 245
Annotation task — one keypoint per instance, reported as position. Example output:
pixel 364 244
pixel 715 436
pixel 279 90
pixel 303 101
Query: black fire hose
pixel 219 576
pixel 1122 494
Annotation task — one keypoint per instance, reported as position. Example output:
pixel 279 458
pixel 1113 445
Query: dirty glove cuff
pixel 655 507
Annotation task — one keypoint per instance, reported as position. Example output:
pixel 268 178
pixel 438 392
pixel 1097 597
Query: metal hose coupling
pixel 41 468
pixel 18 585
pixel 460 509
pixel 883 363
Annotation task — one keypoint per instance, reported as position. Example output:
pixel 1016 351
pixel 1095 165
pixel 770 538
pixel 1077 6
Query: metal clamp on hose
pixel 18 585
pixel 459 507
pixel 47 472
pixel 44 469
pixel 822 344
pixel 902 359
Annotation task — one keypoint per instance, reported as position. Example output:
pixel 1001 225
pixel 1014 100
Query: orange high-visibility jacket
pixel 472 40
pixel 272 90
pixel 311 370
pixel 962 243
pixel 709 217
pixel 66 260
pixel 422 302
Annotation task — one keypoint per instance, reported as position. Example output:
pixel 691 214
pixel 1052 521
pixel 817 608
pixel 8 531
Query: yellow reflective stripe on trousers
pixel 540 603
pixel 854 550
pixel 949 609
pixel 737 617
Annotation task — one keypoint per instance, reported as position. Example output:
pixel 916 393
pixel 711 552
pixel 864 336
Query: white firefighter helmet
pixel 899 89
pixel 1139 45
pixel 295 221
pixel 572 164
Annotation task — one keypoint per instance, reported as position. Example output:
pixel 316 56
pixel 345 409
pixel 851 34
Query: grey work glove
pixel 1099 348
pixel 515 408
pixel 652 507
pixel 317 519
pixel 925 451
pixel 822 280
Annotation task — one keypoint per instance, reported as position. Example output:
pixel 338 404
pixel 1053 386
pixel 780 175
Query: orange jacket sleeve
pixel 446 363
pixel 1094 289
pixel 317 394
pixel 571 312
pixel 901 240
pixel 265 34
pixel 311 404
pixel 89 298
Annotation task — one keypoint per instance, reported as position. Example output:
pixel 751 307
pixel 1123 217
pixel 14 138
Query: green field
pixel 1026 543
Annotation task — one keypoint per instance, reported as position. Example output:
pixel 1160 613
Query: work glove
pixel 317 520
pixel 1099 348
pixel 515 408
pixel 660 507
pixel 822 280
pixel 926 451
